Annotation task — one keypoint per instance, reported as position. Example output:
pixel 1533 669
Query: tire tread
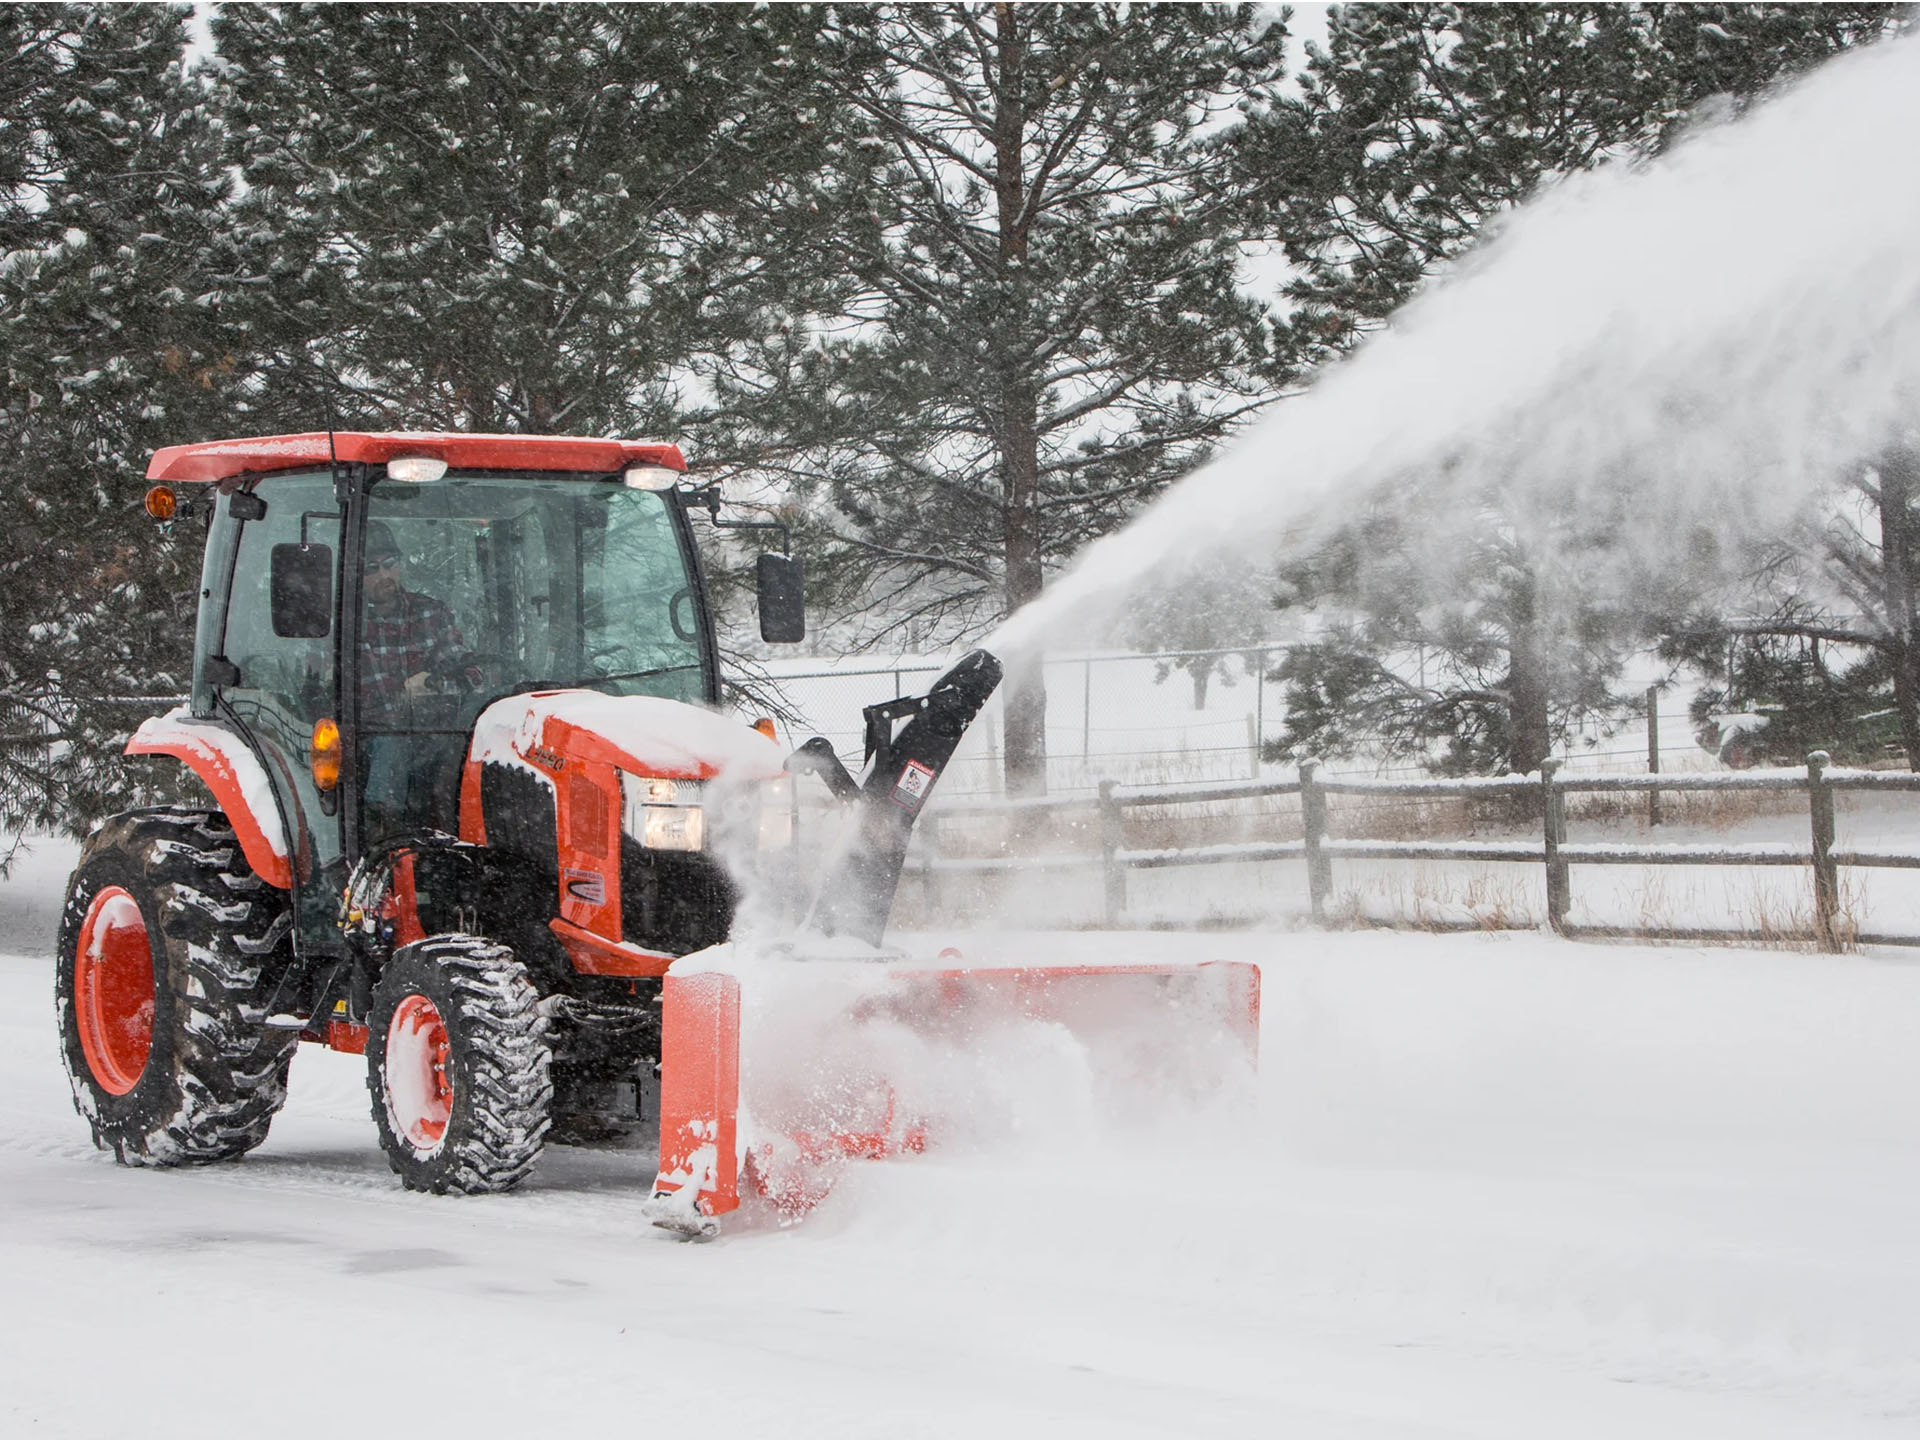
pixel 228 1072
pixel 507 1064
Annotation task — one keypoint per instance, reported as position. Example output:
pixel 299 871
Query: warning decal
pixel 912 786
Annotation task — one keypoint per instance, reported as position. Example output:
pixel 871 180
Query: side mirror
pixel 300 583
pixel 783 607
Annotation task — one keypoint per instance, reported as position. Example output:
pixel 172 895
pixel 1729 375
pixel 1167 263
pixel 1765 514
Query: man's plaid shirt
pixel 415 633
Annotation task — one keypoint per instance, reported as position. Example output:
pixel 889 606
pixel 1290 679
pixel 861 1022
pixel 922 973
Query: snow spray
pixel 1711 335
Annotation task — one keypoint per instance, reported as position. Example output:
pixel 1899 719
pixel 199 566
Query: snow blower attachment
pixel 781 1064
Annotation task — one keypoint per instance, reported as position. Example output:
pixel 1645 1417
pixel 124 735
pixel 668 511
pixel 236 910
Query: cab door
pixel 287 682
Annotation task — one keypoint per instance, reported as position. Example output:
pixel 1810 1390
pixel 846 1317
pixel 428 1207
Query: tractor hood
pixel 641 734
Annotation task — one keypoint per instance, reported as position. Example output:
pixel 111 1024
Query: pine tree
pixel 1418 126
pixel 1046 323
pixel 518 217
pixel 1826 640
pixel 112 329
pixel 1472 649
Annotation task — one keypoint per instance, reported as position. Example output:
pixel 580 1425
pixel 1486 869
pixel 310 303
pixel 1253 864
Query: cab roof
pixel 224 459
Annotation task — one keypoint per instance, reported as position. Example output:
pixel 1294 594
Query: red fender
pixel 235 776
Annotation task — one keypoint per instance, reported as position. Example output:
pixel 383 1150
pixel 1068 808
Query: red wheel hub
pixel 113 990
pixel 419 1089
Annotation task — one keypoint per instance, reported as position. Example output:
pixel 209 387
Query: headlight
pixel 775 816
pixel 662 814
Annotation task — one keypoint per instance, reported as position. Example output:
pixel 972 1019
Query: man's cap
pixel 380 542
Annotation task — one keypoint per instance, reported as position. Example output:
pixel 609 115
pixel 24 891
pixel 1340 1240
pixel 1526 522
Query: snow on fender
pixel 230 769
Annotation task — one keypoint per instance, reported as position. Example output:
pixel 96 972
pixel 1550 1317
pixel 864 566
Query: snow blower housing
pixel 456 700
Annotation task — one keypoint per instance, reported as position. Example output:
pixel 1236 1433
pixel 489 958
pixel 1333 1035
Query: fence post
pixel 1826 876
pixel 1653 752
pixel 1086 714
pixel 1115 877
pixel 929 854
pixel 1313 816
pixel 1259 710
pixel 1559 883
pixel 794 887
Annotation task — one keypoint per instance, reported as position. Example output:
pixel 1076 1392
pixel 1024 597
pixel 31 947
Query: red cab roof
pixel 222 459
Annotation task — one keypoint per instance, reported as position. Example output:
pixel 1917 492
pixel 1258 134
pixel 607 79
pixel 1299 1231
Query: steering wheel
pixel 449 677
pixel 610 661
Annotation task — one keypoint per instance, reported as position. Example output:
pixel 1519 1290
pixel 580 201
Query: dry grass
pixel 1427 899
pixel 1702 809
pixel 1754 909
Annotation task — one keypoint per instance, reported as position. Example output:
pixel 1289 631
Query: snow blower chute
pixel 782 1062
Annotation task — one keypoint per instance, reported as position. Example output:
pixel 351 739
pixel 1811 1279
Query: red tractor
pixel 456 698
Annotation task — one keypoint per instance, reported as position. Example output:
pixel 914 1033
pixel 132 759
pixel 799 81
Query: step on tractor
pixel 478 816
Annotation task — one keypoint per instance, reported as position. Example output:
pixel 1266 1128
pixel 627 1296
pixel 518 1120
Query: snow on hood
pixel 648 735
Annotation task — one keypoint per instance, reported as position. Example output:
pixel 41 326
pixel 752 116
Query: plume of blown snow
pixel 1717 333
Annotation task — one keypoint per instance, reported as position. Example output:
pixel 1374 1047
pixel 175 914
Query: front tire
pixel 163 972
pixel 458 1066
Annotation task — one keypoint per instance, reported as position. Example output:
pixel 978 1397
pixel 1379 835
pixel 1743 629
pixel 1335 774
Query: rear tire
pixel 165 963
pixel 458 1066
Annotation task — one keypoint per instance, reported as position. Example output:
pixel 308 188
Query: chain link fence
pixel 1162 719
pixel 1169 718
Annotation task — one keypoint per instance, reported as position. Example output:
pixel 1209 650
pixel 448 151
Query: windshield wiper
pixel 645 674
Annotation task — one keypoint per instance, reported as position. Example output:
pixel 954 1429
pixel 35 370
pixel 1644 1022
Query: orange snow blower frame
pixel 476 816
pixel 771 1092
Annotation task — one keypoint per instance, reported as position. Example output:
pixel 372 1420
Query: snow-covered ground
pixel 1498 1186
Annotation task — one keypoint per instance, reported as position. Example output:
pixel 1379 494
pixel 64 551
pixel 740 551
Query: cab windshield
pixel 479 587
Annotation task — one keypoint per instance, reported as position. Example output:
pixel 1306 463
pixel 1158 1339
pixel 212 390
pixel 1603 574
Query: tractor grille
pixel 673 902
pixel 519 810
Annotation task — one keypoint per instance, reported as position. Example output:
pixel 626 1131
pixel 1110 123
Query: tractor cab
pixel 478 587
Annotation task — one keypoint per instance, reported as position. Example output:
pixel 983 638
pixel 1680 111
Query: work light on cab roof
pixel 651 477
pixel 418 469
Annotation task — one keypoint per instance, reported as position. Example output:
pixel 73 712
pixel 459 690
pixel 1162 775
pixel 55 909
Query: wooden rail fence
pixel 1822 857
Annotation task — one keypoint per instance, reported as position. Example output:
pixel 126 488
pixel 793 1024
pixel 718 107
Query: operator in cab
pixel 411 650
